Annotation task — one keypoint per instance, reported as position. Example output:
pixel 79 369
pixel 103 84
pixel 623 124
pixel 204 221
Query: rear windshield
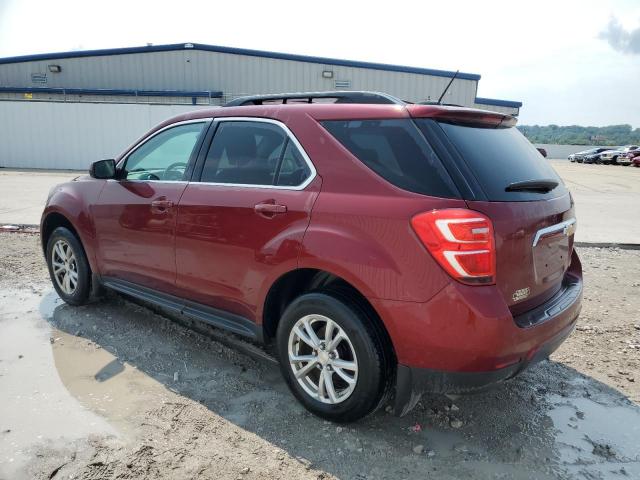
pixel 499 157
pixel 397 151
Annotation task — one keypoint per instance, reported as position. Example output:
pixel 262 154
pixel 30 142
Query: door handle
pixel 270 209
pixel 161 206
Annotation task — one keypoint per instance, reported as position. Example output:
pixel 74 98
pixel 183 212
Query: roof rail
pixel 308 97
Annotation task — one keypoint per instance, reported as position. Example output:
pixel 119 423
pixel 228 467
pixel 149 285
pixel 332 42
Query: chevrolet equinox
pixel 382 249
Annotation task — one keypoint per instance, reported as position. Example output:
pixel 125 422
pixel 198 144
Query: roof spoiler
pixel 463 116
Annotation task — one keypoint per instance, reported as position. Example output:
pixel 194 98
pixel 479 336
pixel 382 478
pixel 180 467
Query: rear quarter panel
pixel 360 225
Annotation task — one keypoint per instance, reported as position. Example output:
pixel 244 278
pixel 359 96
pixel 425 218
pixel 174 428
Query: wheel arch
pixel 52 221
pixel 55 219
pixel 294 283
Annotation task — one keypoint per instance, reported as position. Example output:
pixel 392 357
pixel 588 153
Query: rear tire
pixel 343 381
pixel 68 267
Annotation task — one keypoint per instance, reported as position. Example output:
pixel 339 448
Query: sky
pixel 570 62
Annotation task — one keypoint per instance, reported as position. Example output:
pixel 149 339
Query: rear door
pixel 531 209
pixel 241 221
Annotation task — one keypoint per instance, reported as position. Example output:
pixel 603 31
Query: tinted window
pixel 499 157
pixel 396 151
pixel 166 155
pixel 293 169
pixel 244 153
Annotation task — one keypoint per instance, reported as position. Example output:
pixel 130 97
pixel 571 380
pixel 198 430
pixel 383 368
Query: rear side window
pixel 245 153
pixel 254 153
pixel 397 151
pixel 293 170
pixel 499 157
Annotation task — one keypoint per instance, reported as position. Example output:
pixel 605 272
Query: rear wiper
pixel 542 186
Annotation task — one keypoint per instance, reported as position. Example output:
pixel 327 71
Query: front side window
pixel 253 153
pixel 166 155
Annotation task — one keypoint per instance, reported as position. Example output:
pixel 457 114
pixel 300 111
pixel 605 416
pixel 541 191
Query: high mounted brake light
pixel 461 241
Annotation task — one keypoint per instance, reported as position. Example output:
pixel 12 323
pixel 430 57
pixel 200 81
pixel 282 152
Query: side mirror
pixel 103 169
pixel 542 151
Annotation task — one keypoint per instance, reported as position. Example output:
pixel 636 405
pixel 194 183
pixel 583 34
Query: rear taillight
pixel 462 242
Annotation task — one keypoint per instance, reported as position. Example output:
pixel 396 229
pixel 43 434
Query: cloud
pixel 621 39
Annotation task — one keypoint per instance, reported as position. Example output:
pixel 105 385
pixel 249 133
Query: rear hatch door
pixel 502 175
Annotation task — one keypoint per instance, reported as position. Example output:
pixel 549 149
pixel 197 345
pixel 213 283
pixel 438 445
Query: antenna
pixel 447 88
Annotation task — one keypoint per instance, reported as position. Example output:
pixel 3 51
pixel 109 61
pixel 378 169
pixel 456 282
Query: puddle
pixel 595 438
pixel 36 405
pixel 102 383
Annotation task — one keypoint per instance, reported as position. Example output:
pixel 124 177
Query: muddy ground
pixel 116 391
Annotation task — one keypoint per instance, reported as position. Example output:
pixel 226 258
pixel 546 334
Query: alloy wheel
pixel 65 267
pixel 323 359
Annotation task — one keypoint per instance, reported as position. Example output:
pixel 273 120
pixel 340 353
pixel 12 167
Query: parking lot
pixel 84 398
pixel 606 198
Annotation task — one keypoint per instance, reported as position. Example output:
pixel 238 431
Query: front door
pixel 135 216
pixel 244 221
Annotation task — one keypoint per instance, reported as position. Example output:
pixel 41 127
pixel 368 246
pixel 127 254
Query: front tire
pixel 332 357
pixel 68 267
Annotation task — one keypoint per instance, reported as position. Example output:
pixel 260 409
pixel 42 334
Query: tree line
pixel 577 135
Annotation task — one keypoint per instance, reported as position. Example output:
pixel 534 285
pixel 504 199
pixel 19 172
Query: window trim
pixel 123 161
pixel 291 137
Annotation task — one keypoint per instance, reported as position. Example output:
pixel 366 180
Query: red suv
pixel 384 249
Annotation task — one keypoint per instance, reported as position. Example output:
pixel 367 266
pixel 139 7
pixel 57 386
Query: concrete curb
pixel 19 228
pixel 621 246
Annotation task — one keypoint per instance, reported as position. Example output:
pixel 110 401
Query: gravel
pixel 185 405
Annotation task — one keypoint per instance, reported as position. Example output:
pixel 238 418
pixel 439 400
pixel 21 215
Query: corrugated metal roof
pixel 238 51
pixel 498 103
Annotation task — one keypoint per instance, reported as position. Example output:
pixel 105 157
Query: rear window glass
pixel 499 157
pixel 397 151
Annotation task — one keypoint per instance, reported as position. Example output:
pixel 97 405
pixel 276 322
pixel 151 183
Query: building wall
pixel 56 135
pixel 234 74
pixel 71 135
pixel 63 130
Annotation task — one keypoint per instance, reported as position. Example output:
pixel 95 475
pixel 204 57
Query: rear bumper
pixel 465 338
pixel 412 382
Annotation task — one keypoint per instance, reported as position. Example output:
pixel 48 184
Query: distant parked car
pixel 580 156
pixel 630 152
pixel 613 156
pixel 542 151
pixel 610 156
pixel 593 156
